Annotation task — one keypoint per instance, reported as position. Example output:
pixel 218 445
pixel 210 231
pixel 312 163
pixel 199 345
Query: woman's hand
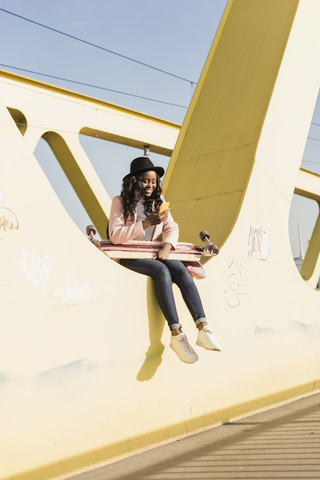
pixel 163 253
pixel 154 219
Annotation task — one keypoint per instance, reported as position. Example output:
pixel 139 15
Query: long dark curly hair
pixel 131 194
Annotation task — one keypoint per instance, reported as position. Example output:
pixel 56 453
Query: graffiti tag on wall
pixel 73 292
pixel 36 268
pixel 8 222
pixel 257 249
pixel 235 286
pixel 258 243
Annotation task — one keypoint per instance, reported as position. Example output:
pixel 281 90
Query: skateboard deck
pixel 140 249
pixel 188 253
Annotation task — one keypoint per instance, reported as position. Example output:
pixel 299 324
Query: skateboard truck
pixel 211 248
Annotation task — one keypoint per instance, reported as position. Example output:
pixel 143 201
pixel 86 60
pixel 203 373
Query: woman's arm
pixel 171 231
pixel 171 235
pixel 163 253
pixel 168 232
pixel 118 231
pixel 121 233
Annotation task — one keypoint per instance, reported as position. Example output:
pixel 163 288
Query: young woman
pixel 135 216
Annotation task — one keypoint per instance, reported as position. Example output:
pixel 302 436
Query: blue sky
pixel 173 35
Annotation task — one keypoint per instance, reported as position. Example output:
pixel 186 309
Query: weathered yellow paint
pixel 74 391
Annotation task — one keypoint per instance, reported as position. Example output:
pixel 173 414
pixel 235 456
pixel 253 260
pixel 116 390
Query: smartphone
pixel 164 207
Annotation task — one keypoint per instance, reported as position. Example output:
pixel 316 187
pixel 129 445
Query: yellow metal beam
pixel 215 151
pixel 310 268
pixel 29 84
pixel 308 185
pixel 58 115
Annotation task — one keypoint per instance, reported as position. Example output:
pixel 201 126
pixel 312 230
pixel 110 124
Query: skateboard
pixel 188 253
pixel 141 249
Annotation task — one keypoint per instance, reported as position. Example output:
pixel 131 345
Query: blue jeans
pixel 163 274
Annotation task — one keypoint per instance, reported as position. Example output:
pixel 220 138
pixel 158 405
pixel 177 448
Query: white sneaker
pixel 181 346
pixel 207 340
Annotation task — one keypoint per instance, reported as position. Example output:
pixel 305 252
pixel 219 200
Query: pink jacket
pixel 121 232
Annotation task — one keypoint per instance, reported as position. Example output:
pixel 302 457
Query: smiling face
pixel 149 183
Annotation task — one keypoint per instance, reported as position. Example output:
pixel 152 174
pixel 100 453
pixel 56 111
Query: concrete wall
pixel 85 369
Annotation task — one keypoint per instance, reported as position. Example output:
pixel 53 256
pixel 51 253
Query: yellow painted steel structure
pixel 308 185
pixel 59 116
pixel 85 372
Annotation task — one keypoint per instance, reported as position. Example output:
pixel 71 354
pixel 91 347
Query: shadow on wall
pixel 156 323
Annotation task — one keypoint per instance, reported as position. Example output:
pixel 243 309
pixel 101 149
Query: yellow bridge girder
pixel 58 116
pixel 31 105
pixel 308 185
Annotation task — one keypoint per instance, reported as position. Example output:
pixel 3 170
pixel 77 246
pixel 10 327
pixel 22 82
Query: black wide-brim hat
pixel 143 164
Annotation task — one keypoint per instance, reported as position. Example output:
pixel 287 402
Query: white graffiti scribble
pixel 75 293
pixel 258 243
pixel 236 275
pixel 235 286
pixel 35 268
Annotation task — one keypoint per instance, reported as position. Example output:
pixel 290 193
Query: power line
pixel 98 46
pixel 93 86
pixel 309 161
pixel 316 140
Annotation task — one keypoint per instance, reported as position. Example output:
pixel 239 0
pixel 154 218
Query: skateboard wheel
pixel 203 235
pixel 91 230
pixel 213 249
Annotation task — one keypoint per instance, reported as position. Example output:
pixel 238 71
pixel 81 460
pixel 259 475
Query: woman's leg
pixel 182 278
pixel 189 291
pixel 163 286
